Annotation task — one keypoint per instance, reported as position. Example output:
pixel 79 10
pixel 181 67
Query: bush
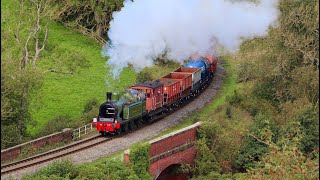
pixel 139 156
pixel 90 172
pixel 206 161
pixel 144 76
pixel 56 124
pixel 252 150
pixel 57 170
pixel 116 170
pixel 235 98
pixel 90 104
pixel 309 126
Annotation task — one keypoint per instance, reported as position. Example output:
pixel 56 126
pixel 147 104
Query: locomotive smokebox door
pixel 109 94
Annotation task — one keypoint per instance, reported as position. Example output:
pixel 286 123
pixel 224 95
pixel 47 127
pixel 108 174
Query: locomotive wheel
pixel 137 123
pixel 119 131
pixel 131 125
pixel 102 133
pixel 124 127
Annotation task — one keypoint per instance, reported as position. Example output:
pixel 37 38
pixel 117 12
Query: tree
pixel 19 76
pixel 33 26
pixel 93 15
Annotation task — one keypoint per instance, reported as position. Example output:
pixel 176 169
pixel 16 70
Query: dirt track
pixel 139 135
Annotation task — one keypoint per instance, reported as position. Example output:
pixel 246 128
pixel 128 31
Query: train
pixel 143 102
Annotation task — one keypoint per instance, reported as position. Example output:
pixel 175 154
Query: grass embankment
pixel 66 51
pixel 66 94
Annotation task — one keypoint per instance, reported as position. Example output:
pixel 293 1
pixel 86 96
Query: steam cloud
pixel 145 29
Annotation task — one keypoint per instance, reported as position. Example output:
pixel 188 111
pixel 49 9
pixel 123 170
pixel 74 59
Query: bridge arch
pixel 172 173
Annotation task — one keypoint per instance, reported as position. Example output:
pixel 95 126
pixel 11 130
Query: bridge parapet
pixel 173 140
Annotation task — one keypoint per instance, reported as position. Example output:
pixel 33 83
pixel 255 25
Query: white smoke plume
pixel 144 29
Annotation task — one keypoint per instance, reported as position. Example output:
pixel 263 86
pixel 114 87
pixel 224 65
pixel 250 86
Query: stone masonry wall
pixel 13 152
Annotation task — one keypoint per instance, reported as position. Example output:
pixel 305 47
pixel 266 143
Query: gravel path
pixel 139 135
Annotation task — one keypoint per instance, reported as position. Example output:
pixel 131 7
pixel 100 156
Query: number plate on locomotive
pixel 106 119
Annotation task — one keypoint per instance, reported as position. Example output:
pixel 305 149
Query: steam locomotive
pixel 145 101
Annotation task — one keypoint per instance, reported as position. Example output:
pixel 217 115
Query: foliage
pixel 90 104
pixel 144 76
pixel 252 150
pixel 118 171
pixel 205 161
pixel 139 156
pixel 113 169
pixel 16 91
pixel 90 172
pixel 94 15
pixel 54 125
pixel 289 163
pixel 157 71
pixel 62 169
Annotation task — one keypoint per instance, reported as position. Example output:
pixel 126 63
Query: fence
pixel 87 32
pixel 77 133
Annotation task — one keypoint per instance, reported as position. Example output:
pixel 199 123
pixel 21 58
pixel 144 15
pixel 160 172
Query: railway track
pixel 76 146
pixel 53 154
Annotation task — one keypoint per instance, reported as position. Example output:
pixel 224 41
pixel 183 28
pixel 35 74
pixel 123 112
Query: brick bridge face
pixel 174 148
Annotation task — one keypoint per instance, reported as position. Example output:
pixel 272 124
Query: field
pixel 64 95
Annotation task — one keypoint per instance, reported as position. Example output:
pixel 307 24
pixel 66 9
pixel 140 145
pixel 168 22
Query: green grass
pixel 66 94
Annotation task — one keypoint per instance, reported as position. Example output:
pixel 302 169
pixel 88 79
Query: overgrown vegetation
pixel 268 128
pixel 108 168
pixel 52 94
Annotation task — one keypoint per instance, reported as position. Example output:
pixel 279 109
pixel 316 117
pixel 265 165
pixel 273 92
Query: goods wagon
pixel 154 94
pixel 185 82
pixel 171 90
pixel 196 76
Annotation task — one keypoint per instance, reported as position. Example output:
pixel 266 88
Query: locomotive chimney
pixel 109 94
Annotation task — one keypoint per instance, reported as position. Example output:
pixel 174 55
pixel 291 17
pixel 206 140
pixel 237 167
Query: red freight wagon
pixel 213 62
pixel 196 74
pixel 154 94
pixel 171 90
pixel 185 81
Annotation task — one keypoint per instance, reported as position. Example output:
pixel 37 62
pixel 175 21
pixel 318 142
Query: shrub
pixel 252 150
pixel 116 170
pixel 63 169
pixel 205 161
pixel 139 156
pixel 235 98
pixel 228 112
pixel 309 126
pixel 90 172
pixel 144 76
pixel 56 124
pixel 90 104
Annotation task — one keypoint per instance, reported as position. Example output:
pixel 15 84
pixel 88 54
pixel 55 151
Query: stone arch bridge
pixel 170 151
